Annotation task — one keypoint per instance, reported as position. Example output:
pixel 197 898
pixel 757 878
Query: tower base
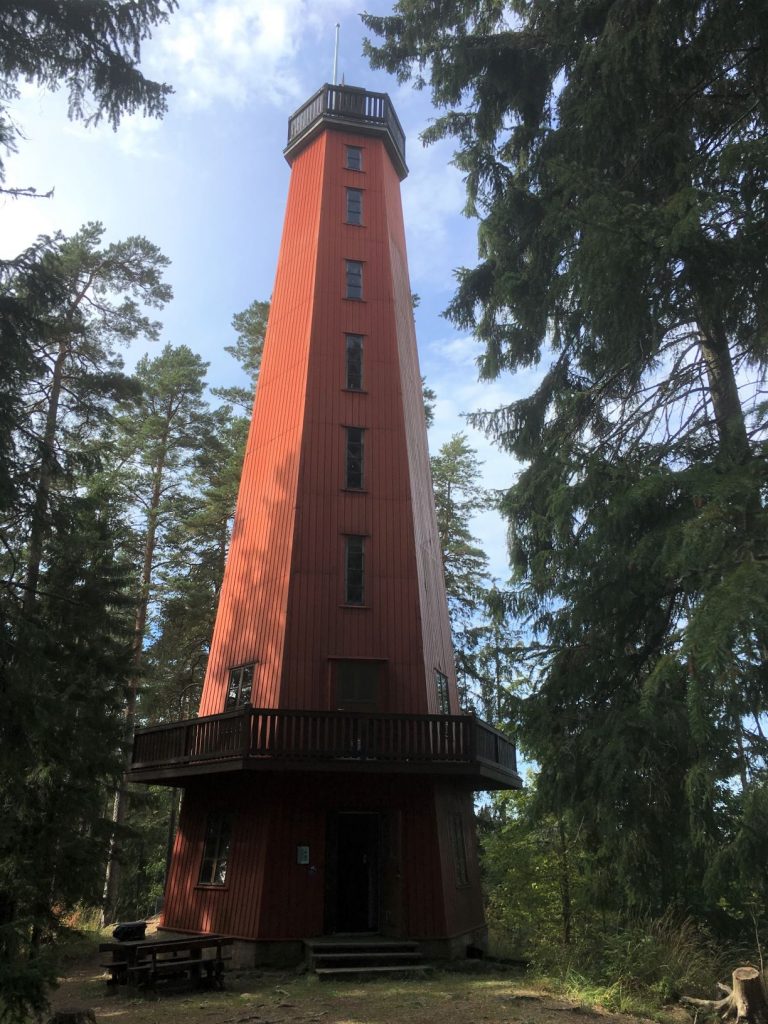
pixel 309 856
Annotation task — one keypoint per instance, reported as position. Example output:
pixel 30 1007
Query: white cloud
pixel 216 50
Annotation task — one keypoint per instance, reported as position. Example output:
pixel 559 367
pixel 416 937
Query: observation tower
pixel 329 777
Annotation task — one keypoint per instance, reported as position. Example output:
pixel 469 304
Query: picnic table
pixel 144 962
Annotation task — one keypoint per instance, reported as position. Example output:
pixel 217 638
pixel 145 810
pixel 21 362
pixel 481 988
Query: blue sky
pixel 208 185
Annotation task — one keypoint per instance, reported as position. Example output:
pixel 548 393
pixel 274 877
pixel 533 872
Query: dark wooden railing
pixel 263 733
pixel 345 103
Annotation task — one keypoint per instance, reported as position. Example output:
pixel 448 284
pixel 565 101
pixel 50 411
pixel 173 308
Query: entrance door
pixel 353 894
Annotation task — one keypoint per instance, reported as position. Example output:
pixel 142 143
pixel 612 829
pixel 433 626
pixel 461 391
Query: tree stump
pixel 749 995
pixel 73 1017
pixel 746 1000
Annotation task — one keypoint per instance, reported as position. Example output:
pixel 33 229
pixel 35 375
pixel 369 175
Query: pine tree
pixel 157 439
pixel 617 158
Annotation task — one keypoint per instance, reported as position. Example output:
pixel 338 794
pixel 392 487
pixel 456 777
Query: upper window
pixel 354 206
pixel 355 453
pixel 441 685
pixel 357 685
pixel 354 570
pixel 354 362
pixel 354 279
pixel 213 870
pixel 240 686
pixel 354 161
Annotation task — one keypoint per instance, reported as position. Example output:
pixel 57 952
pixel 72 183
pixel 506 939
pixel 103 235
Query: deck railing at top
pixel 322 735
pixel 349 104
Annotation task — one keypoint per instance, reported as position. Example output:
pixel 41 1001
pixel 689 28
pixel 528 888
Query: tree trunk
pixel 747 1000
pixel 119 809
pixel 42 491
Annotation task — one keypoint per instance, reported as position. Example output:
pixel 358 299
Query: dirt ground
pixel 479 994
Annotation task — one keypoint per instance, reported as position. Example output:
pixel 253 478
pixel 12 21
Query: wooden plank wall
pixel 269 896
pixel 250 621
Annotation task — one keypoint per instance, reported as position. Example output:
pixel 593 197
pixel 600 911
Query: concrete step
pixel 363 957
pixel 363 973
pixel 321 946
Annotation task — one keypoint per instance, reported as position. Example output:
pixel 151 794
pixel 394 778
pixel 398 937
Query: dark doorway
pixel 353 893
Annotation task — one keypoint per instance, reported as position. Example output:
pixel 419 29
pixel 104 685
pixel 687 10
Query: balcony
pixel 351 109
pixel 261 739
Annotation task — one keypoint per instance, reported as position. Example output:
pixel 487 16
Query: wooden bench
pixel 146 962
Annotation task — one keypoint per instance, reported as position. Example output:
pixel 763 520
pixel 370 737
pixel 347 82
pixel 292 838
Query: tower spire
pixel 336 56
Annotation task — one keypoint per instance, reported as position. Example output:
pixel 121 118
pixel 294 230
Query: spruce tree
pixel 93 48
pixel 617 158
pixel 459 496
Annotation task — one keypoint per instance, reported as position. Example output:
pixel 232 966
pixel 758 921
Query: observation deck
pixel 350 109
pixel 266 739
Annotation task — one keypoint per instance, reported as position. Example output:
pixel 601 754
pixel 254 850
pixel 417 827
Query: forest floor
pixel 481 994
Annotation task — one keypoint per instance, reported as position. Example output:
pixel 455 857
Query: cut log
pixel 746 1001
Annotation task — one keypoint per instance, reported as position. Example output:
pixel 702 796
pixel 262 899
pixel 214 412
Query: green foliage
pixel 617 158
pixel 540 872
pixel 458 496
pixel 62 674
pixel 93 48
pixel 251 327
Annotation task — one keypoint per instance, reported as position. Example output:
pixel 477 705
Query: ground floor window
pixel 459 849
pixel 218 829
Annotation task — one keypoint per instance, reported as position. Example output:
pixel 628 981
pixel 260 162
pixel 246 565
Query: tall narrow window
pixel 354 279
pixel 354 570
pixel 459 849
pixel 213 870
pixel 240 686
pixel 354 158
pixel 354 362
pixel 355 452
pixel 354 206
pixel 441 685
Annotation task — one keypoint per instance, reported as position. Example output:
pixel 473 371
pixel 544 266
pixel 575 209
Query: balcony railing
pixel 349 106
pixel 269 738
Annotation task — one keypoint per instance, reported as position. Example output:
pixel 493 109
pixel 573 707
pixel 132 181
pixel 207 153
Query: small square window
pixel 354 161
pixel 213 870
pixel 240 686
pixel 354 362
pixel 354 570
pixel 441 685
pixel 354 271
pixel 355 452
pixel 354 206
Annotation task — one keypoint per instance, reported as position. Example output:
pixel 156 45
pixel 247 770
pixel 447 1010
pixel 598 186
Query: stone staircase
pixel 357 958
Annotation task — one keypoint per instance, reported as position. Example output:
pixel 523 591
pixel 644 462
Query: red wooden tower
pixel 329 777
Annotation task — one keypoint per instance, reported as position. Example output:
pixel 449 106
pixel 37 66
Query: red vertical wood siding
pixel 282 600
pixel 282 597
pixel 269 896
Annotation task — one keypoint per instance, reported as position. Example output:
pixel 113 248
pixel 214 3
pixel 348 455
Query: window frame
pixel 354 459
pixel 459 850
pixel 238 702
pixel 443 694
pixel 349 351
pixel 350 166
pixel 353 289
pixel 354 206
pixel 217 842
pixel 356 597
